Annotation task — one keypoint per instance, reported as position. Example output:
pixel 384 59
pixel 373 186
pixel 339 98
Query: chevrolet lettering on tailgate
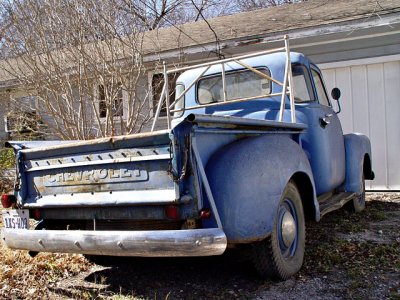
pixel 92 176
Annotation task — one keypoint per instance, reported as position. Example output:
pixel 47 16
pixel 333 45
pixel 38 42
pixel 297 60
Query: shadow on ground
pixel 203 277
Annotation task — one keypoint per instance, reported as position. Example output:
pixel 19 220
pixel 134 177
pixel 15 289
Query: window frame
pixel 226 74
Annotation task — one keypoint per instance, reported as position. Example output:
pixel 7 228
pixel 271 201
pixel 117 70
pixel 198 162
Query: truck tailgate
pixel 124 170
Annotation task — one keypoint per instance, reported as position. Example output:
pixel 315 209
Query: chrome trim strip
pixel 138 197
pixel 193 242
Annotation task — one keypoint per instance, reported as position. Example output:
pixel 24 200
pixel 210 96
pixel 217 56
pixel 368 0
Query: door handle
pixel 325 121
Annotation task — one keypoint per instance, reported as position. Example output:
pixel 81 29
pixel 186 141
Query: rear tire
pixel 281 255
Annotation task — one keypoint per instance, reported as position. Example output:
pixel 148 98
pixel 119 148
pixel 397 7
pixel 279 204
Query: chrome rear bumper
pixel 194 242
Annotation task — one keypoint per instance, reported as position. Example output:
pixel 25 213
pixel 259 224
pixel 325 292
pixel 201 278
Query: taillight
pixel 205 213
pixel 35 213
pixel 8 200
pixel 172 212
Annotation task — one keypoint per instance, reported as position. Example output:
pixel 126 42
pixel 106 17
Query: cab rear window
pixel 239 84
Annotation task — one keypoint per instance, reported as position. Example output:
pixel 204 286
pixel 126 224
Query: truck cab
pixel 323 141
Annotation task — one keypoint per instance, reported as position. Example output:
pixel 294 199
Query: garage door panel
pixel 376 92
pixel 359 99
pixel 371 105
pixel 392 100
pixel 343 81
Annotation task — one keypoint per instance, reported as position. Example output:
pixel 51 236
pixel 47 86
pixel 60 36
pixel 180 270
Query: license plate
pixel 16 219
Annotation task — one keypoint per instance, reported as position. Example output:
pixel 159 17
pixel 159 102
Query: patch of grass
pixel 378 215
pixel 352 226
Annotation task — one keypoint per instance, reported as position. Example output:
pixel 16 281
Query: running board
pixel 335 202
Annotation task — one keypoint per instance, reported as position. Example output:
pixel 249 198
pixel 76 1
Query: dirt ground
pixel 348 256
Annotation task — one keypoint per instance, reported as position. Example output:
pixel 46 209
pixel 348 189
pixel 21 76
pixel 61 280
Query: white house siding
pixel 371 105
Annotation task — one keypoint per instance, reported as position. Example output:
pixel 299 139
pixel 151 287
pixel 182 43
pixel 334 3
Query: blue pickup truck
pixel 253 149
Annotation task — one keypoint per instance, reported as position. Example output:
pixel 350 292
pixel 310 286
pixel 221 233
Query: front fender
pixel 247 179
pixel 358 148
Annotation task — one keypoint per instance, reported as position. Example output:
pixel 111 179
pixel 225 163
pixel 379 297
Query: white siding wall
pixel 371 105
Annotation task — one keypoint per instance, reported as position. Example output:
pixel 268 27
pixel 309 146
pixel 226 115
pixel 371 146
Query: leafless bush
pixel 82 62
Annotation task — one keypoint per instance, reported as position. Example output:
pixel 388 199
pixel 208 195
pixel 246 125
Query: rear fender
pixel 358 161
pixel 247 179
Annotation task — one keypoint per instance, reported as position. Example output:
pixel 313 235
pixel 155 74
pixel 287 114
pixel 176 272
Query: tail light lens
pixel 172 212
pixel 35 213
pixel 205 213
pixel 8 200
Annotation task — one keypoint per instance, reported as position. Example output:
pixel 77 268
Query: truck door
pixel 323 141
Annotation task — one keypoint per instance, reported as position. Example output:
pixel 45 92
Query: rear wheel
pixel 280 255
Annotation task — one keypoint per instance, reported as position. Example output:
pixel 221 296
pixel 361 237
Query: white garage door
pixel 371 105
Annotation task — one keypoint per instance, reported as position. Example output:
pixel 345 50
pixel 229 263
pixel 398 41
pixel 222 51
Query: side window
pixel 302 84
pixel 319 86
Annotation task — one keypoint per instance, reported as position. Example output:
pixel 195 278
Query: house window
pixel 157 84
pixel 23 117
pixel 111 100
pixel 22 122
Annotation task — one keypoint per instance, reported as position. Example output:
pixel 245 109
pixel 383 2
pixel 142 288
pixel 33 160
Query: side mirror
pixel 335 93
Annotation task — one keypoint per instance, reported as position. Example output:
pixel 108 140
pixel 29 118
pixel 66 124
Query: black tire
pixel 272 257
pixel 358 203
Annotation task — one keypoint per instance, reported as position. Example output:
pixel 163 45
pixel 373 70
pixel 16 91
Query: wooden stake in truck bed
pixel 253 149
